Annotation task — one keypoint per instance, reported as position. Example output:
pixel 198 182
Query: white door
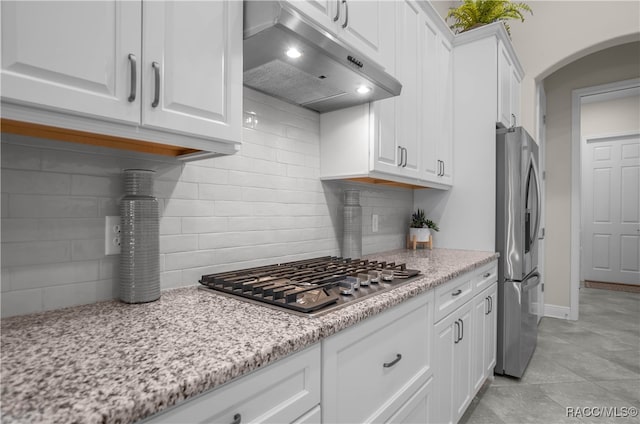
pixel 77 56
pixel 192 67
pixel 611 209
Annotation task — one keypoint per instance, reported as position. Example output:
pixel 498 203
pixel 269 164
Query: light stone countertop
pixel 113 362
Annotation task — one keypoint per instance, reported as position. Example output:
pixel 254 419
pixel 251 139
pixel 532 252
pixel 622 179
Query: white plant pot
pixel 421 234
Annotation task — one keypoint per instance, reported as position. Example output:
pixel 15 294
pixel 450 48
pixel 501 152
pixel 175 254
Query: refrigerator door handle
pixel 526 284
pixel 539 201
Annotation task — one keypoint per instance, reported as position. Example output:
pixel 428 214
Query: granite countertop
pixel 114 362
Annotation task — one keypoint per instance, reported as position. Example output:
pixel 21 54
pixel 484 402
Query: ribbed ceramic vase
pixel 140 239
pixel 352 236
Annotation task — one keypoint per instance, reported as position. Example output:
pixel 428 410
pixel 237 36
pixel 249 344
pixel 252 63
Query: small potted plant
pixel 474 13
pixel 421 227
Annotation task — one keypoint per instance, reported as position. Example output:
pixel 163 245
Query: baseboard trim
pixel 555 311
pixel 631 288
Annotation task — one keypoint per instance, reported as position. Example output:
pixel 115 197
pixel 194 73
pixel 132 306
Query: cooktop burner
pixel 311 287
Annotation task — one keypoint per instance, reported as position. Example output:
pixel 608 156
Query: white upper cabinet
pixel 408 23
pixel 365 25
pixel 190 67
pixel 168 72
pixel 405 139
pixel 508 113
pixel 436 117
pixel 80 57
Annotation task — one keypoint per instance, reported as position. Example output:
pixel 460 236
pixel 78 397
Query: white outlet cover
pixel 112 235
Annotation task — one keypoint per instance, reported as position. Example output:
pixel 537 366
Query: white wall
pixel 263 205
pixel 466 212
pixel 610 65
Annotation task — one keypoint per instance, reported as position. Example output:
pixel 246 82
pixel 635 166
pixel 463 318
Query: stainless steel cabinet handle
pixel 513 120
pixel 486 275
pixel 392 363
pixel 156 94
pixel 346 14
pixel 406 156
pixel 400 162
pixel 490 304
pixel 461 331
pixel 237 419
pixel 442 175
pixel 134 78
pixel 457 324
pixel 456 293
pixel 335 18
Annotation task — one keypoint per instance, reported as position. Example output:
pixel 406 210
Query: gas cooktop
pixel 311 287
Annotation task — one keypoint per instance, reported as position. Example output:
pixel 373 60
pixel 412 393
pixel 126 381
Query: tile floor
pixel 592 362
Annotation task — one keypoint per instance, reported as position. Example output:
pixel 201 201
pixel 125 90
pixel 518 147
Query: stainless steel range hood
pixel 327 74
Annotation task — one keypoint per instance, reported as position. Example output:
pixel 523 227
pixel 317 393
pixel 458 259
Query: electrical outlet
pixel 112 235
pixel 374 223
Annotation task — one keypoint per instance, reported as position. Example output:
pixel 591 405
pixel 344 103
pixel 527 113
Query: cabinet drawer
pixel 281 392
pixel 450 296
pixel 484 277
pixel 371 369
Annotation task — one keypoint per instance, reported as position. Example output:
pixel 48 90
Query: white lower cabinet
pixel 453 351
pixel 485 307
pixel 465 342
pixel 378 369
pixel 286 392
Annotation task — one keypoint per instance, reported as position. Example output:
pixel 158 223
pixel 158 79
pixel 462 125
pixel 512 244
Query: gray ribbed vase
pixel 352 235
pixel 140 239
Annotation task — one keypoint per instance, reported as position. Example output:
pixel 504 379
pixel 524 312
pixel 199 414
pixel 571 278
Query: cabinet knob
pixel 456 293
pixel 486 275
pixel 237 419
pixel 392 363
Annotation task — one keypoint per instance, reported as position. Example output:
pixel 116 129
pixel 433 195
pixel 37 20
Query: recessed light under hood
pixel 288 57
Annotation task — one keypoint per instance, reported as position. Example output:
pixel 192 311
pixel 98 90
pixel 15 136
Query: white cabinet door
pixel 192 73
pixel 490 329
pixel 515 98
pixel 504 86
pixel 429 113
pixel 483 354
pixel 368 26
pixel 73 56
pixel 386 155
pixel 408 60
pixel 462 362
pixel 445 111
pixel 452 365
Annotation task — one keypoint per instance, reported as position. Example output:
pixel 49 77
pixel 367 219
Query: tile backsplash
pixel 262 205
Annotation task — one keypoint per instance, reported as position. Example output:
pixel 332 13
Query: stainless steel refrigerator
pixel 517 226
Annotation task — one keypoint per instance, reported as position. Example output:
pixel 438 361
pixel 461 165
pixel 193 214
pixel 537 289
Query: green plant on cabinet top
pixel 474 13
